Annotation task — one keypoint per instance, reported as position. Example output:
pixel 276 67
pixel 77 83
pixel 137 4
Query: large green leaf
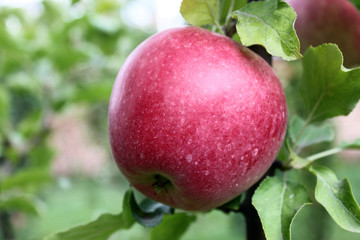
pixel 337 198
pixel 269 23
pixel 277 203
pixel 200 12
pixel 102 228
pixel 326 87
pixel 306 135
pixel 172 227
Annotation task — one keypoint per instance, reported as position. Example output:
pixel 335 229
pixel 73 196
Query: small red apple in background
pixel 329 21
pixel 195 118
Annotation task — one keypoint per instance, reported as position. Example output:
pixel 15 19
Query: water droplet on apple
pixel 255 152
pixel 189 158
pixel 206 173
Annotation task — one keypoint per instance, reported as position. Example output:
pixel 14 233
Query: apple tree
pixel 299 174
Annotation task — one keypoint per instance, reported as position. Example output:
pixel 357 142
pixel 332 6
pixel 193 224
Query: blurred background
pixel 58 61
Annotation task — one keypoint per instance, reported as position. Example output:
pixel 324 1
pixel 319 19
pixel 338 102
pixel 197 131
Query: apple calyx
pixel 161 183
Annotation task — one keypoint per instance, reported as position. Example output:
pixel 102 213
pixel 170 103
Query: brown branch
pixel 6 228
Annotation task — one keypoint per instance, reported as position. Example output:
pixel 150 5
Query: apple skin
pixel 199 110
pixel 329 21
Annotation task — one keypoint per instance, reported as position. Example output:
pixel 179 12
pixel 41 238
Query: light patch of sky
pixel 18 3
pixel 168 14
pixel 162 14
pixel 32 7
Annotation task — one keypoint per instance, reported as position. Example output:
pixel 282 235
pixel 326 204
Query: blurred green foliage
pixel 54 56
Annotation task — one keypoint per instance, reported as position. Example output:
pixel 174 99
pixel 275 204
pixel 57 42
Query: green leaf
pixel 337 198
pixel 23 203
pixel 4 109
pixel 74 1
pixel 356 3
pixel 172 227
pixel 200 12
pixel 277 202
pixel 106 6
pixel 31 124
pixel 283 152
pixel 149 213
pixel 101 228
pixel 326 87
pixel 93 92
pixel 24 99
pixel 299 162
pixel 270 24
pixel 352 145
pixel 24 179
pixel 308 135
pixel 41 155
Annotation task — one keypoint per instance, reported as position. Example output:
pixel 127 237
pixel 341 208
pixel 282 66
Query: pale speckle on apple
pixel 255 152
pixel 189 158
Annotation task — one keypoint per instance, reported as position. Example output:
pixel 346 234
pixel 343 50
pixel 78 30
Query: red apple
pixel 195 118
pixel 329 21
